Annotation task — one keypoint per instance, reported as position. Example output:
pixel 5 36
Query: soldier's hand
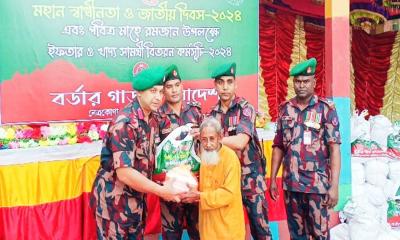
pixel 195 132
pixel 332 197
pixel 168 194
pixel 273 190
pixel 190 197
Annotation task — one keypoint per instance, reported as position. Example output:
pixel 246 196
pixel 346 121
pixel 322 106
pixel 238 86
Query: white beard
pixel 209 157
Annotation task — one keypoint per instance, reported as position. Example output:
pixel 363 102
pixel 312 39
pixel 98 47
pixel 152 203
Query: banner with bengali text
pixel 74 60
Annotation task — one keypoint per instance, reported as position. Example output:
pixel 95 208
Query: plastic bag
pixel 360 127
pixel 340 232
pixel 357 173
pixel 376 172
pixel 394 170
pixel 393 141
pixel 173 152
pixel 381 128
pixel 181 179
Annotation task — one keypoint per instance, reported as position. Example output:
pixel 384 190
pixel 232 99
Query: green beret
pixel 305 68
pixel 228 69
pixel 148 78
pixel 172 73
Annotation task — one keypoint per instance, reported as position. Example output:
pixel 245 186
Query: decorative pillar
pixel 337 73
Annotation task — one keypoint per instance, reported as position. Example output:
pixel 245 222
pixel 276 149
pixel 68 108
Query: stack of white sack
pixel 360 127
pixel 394 170
pixel 362 223
pixel 381 128
pixel 375 180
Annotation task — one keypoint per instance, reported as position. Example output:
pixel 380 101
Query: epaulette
pixel 243 103
pixel 194 104
pixel 122 119
pixel 283 104
pixel 281 107
pixel 328 102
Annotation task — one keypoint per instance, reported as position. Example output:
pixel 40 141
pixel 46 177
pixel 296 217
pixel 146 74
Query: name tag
pixel 307 137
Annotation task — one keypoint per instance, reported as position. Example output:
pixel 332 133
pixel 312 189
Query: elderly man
pixel 220 200
pixel 127 163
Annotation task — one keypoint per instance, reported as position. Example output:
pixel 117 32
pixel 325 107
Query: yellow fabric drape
pixel 299 51
pixel 45 182
pixel 267 148
pixel 391 100
pixel 352 94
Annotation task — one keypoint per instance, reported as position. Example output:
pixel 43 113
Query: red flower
pixel 83 138
pixel 36 133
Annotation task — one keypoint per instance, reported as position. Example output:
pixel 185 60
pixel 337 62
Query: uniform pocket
pixel 288 124
pixel 313 165
pixel 309 166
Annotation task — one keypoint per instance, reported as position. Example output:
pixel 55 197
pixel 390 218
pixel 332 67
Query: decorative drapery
pixel 262 97
pixel 315 42
pixel 371 59
pixel 299 52
pixel 391 99
pixel 276 43
pixel 285 40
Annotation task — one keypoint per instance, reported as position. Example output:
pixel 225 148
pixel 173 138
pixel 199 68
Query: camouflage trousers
pixel 306 215
pixel 257 212
pixel 173 217
pixel 109 230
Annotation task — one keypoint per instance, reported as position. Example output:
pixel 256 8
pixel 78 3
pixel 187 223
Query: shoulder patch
pixel 328 102
pixel 247 112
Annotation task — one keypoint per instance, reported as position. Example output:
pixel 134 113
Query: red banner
pixel 62 92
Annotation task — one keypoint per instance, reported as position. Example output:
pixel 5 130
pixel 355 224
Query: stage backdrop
pixel 74 60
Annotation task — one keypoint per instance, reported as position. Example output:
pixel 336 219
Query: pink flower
pixel 63 142
pixel 93 127
pixel 45 131
pixel 19 134
pixel 13 145
pixel 28 133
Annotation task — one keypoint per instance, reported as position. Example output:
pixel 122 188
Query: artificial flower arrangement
pixel 261 120
pixel 51 134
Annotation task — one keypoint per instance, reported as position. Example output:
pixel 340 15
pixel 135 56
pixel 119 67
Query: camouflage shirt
pixel 304 136
pixel 190 113
pixel 240 118
pixel 130 142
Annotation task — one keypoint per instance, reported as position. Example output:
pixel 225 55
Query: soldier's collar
pixel 313 101
pixel 166 109
pixel 137 109
pixel 234 102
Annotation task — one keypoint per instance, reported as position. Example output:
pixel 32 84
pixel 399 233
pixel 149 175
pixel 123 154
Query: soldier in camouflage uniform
pixel 237 118
pixel 307 141
pixel 174 113
pixel 127 163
